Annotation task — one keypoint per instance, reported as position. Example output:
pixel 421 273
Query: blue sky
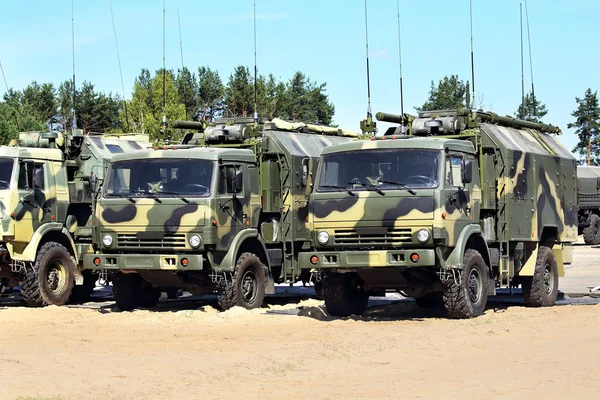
pixel 325 39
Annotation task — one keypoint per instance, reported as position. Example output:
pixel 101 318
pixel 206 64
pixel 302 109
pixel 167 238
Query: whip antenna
pixel 530 60
pixel 400 61
pixel 522 67
pixel 73 42
pixel 6 84
pixel 120 69
pixel 368 72
pixel 182 64
pixel 164 72
pixel 472 56
pixel 255 69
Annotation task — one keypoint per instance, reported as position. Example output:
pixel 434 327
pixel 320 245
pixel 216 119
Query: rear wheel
pixel 541 289
pixel 49 280
pixel 591 234
pixel 466 297
pixel 131 291
pixel 245 287
pixel 82 293
pixel 344 295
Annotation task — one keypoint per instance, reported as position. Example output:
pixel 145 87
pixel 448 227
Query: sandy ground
pixel 188 350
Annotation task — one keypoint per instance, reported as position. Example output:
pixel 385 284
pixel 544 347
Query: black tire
pixel 127 291
pixel 344 295
pixel 49 280
pixel 467 298
pixel 541 289
pixel 82 293
pixel 591 234
pixel 319 290
pixel 150 296
pixel 430 300
pixel 245 287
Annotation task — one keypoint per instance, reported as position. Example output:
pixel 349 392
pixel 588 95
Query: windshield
pixel 6 169
pixel 381 169
pixel 159 177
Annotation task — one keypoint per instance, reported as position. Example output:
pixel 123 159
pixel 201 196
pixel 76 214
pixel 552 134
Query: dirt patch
pixel 398 351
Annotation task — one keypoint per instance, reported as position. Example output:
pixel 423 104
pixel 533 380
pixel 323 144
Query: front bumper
pixel 367 259
pixel 166 262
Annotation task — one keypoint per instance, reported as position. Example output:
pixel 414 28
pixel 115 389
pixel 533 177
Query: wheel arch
pixel 470 238
pixel 247 240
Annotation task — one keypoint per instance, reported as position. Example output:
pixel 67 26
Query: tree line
pixel 199 95
pixel 450 93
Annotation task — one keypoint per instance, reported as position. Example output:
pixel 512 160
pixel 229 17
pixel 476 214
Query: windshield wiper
pixel 123 197
pixel 399 186
pixel 186 201
pixel 148 194
pixel 369 187
pixel 340 188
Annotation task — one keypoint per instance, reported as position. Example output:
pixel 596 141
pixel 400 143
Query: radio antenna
pixel 400 64
pixel 164 71
pixel 120 69
pixel 530 61
pixel 6 84
pixel 369 115
pixel 255 71
pixel 472 55
pixel 182 64
pixel 73 43
pixel 522 64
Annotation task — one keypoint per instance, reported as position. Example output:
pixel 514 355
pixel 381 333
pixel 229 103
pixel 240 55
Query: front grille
pixel 171 241
pixel 372 236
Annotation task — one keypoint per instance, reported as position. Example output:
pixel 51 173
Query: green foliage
pixel 587 127
pixel 187 88
pixel 239 94
pixel 210 94
pixel 449 94
pixel 532 110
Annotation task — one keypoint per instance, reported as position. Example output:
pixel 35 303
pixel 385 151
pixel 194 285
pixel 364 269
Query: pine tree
pixel 532 110
pixel 587 127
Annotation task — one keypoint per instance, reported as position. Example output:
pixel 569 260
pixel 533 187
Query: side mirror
pixel 93 182
pixel 304 176
pixel 238 182
pixel 467 171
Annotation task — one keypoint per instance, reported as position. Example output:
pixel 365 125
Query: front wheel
pixel 245 287
pixel 49 280
pixel 541 290
pixel 466 297
pixel 591 234
pixel 344 295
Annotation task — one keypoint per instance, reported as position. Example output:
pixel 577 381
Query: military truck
pixel 588 185
pixel 226 215
pixel 46 208
pixel 469 203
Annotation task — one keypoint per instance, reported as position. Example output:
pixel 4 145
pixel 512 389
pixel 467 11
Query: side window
pixel 31 176
pixel 453 170
pixel 230 179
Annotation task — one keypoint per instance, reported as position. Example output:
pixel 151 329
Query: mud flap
pixel 270 282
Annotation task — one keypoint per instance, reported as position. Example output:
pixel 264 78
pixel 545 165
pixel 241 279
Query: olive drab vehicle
pixel 46 209
pixel 226 215
pixel 468 203
pixel 588 184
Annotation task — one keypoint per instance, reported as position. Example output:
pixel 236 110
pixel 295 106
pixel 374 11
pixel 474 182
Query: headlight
pixel 195 241
pixel 107 240
pixel 423 235
pixel 323 237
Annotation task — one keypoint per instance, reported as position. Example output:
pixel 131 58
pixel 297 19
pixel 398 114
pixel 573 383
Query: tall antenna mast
pixel 522 65
pixel 164 71
pixel 120 69
pixel 182 64
pixel 73 42
pixel 368 72
pixel 530 60
pixel 255 70
pixel 400 61
pixel 472 56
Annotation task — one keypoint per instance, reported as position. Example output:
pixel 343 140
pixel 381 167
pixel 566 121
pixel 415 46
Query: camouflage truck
pixel 46 209
pixel 588 185
pixel 470 202
pixel 226 216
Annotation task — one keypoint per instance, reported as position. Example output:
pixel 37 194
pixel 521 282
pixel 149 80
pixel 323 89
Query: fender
pixel 230 259
pixel 30 251
pixel 455 259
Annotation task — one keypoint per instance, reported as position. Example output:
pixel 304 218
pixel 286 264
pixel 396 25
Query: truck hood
pixel 370 207
pixel 170 216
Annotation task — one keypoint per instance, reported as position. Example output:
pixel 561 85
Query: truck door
pixel 232 205
pixel 34 206
pixel 462 200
